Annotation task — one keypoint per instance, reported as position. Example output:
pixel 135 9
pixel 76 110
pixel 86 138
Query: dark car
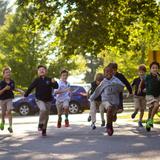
pixel 28 106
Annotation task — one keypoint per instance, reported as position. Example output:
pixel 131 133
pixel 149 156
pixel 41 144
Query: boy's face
pixel 64 76
pixel 114 71
pixel 98 82
pixel 154 69
pixel 42 71
pixel 108 73
pixel 7 74
pixel 141 73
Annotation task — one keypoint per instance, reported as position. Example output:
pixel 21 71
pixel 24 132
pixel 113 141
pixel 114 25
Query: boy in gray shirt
pixel 109 90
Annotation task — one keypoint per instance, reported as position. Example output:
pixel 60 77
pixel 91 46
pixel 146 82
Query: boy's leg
pixel 9 114
pixel 110 120
pixel 155 109
pixel 42 114
pixel 120 107
pixel 137 104
pixel 47 113
pixel 3 110
pixel 93 111
pixel 142 108
pixel 66 112
pixel 59 107
pixel 101 109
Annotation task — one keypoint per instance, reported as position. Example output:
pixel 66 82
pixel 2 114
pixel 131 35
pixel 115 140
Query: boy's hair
pixel 113 65
pixel 6 69
pixel 142 67
pixel 42 66
pixel 109 66
pixel 154 63
pixel 64 71
pixel 99 77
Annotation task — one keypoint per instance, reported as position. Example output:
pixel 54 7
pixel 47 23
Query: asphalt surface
pixel 79 141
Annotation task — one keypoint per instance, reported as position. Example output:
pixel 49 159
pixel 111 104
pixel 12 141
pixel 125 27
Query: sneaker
pixel 40 127
pixel 150 121
pixel 149 124
pixel 66 123
pixel 103 124
pixel 140 124
pixel 10 129
pixel 109 130
pixel 2 126
pixel 93 126
pixel 89 118
pixel 133 115
pixel 44 132
pixel 59 124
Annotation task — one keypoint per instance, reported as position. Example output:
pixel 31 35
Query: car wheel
pixel 73 108
pixel 24 109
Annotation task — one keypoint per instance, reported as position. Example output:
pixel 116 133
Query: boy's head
pixel 98 78
pixel 6 73
pixel 64 75
pixel 154 67
pixel 114 66
pixel 42 70
pixel 142 70
pixel 108 72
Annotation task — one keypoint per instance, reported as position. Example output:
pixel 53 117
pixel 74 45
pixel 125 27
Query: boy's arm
pixel 97 92
pixel 19 90
pixel 127 84
pixel 54 83
pixel 31 87
pixel 5 89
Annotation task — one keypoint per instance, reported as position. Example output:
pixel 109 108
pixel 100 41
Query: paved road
pixel 78 142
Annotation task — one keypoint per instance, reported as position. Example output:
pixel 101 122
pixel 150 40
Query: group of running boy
pixel 106 93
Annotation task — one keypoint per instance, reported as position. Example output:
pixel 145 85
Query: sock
pixel 59 118
pixel 66 116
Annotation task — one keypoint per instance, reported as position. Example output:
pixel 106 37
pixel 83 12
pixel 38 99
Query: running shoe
pixel 66 123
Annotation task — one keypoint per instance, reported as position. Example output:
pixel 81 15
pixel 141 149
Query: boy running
pixel 7 86
pixel 96 103
pixel 43 86
pixel 152 84
pixel 139 95
pixel 123 79
pixel 63 98
pixel 109 90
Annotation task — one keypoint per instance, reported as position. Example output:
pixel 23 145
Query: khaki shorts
pixel 6 105
pixel 140 102
pixel 150 100
pixel 62 105
pixel 43 106
pixel 106 105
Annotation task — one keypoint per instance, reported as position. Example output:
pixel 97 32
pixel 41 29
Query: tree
pixel 22 49
pixel 3 11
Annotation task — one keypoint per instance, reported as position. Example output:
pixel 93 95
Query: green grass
pixel 128 116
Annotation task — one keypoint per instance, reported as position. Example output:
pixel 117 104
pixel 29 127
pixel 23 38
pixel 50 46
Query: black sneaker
pixel 10 130
pixel 40 127
pixel 103 123
pixel 133 115
pixel 89 118
pixel 93 126
pixel 44 132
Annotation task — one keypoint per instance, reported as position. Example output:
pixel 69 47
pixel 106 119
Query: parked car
pixel 28 106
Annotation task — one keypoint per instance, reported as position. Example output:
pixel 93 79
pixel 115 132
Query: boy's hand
pixel 7 88
pixel 129 95
pixel 53 80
